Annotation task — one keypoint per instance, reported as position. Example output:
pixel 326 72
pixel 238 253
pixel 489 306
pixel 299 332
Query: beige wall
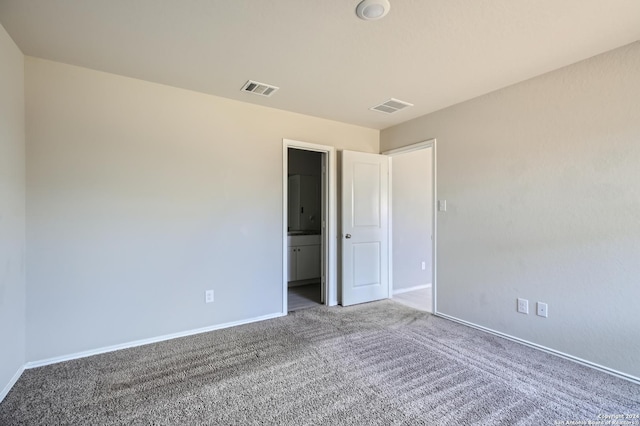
pixel 12 212
pixel 542 181
pixel 141 196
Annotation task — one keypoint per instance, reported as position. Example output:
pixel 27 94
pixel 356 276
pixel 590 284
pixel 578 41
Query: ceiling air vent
pixel 391 106
pixel 259 88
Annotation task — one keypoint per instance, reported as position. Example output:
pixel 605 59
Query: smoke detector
pixel 371 10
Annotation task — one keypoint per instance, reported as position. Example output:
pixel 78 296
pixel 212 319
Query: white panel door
pixel 365 227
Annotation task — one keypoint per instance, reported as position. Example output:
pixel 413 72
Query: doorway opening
pixel 304 229
pixel 413 225
pixel 308 223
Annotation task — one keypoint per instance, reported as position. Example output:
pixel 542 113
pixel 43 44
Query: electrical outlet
pixel 543 310
pixel 523 306
pixel 424 265
pixel 208 296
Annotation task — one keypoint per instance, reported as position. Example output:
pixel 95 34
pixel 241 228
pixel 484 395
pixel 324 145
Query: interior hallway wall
pixel 543 192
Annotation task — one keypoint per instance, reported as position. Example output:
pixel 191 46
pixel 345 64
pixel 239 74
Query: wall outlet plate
pixel 208 296
pixel 523 306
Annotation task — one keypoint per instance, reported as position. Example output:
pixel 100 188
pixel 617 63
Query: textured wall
pixel 12 210
pixel 142 196
pixel 543 189
pixel 412 215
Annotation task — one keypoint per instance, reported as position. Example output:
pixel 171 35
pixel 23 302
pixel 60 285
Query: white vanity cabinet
pixel 303 257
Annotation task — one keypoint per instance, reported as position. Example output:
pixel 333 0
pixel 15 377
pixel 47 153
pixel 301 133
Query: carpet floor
pixel 379 363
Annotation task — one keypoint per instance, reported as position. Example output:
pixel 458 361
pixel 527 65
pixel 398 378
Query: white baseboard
pixel 584 362
pixel 12 382
pixel 406 290
pixel 55 360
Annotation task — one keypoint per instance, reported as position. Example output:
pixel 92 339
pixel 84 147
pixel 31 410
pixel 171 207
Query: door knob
pixel 348 236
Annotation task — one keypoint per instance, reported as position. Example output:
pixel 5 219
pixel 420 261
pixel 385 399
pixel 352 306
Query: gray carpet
pixel 375 364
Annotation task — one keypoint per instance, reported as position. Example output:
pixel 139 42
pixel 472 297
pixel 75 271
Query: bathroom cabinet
pixel 303 258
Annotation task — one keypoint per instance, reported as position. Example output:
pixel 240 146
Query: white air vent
pixel 259 88
pixel 391 106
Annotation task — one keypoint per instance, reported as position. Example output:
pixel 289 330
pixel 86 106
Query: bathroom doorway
pixel 306 208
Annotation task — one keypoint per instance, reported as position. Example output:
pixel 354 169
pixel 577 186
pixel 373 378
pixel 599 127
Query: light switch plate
pixel 442 205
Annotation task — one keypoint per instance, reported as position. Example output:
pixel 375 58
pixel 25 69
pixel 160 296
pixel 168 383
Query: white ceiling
pixel 327 62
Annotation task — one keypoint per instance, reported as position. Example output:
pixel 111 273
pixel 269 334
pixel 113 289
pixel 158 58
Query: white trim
pixel 285 227
pixel 55 360
pixel 329 238
pixel 430 143
pixel 410 148
pixel 581 361
pixel 11 383
pixel 389 231
pixel 414 288
pixel 390 228
pixel 434 227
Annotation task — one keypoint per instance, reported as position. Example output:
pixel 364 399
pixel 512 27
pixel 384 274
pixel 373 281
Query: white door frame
pixel 430 143
pixel 329 214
